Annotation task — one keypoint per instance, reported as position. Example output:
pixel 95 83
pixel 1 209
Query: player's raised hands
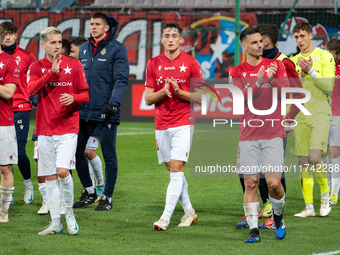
pixel 260 75
pixel 56 62
pixel 272 71
pixel 175 86
pixel 166 88
pixel 305 64
pixel 66 99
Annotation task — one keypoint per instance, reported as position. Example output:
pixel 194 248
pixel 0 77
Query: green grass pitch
pixel 139 200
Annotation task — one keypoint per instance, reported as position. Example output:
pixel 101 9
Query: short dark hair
pixel 102 16
pixel 2 34
pixel 303 26
pixel 334 44
pixel 9 27
pixel 269 30
pixel 172 25
pixel 246 32
pixel 78 41
pixel 66 45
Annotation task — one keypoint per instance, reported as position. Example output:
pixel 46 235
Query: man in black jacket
pixel 106 66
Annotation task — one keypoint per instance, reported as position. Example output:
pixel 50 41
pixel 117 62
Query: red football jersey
pixel 9 73
pixel 244 76
pixel 21 100
pixel 336 92
pixel 53 118
pixel 174 111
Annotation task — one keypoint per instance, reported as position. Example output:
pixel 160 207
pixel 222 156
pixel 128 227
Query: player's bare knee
pixel 62 173
pixel 176 166
pixel 5 170
pixel 251 184
pixel 90 154
pixel 168 166
pixel 274 186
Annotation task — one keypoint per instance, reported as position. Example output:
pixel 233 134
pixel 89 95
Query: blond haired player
pixel 60 84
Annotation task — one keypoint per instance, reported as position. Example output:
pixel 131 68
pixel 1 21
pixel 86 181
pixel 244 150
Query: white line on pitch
pixel 328 253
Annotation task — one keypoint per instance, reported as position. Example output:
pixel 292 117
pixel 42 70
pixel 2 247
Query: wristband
pixel 312 73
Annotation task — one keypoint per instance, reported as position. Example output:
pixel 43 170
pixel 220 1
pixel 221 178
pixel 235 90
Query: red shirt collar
pixel 96 44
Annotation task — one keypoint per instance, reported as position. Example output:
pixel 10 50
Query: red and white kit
pixel 244 76
pixel 57 125
pixel 53 118
pixel 174 111
pixel 21 101
pixel 172 114
pixel 9 73
pixel 260 146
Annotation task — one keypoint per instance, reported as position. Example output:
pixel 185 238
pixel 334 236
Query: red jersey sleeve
pixel 149 75
pixel 12 73
pixel 35 82
pixel 83 95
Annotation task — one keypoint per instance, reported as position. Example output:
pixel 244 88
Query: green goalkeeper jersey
pixel 320 87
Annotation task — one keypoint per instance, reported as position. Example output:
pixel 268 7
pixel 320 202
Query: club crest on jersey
pixel 244 74
pixel 84 51
pixel 159 68
pixel 2 65
pixel 103 51
pixel 17 59
pixel 43 70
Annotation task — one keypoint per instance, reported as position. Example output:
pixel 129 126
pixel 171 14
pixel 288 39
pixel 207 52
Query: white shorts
pixel 35 155
pixel 92 143
pixel 8 146
pixel 56 151
pixel 260 156
pixel 174 143
pixel 334 132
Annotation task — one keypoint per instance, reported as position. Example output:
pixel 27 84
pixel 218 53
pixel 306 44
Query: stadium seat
pixel 101 3
pixel 287 3
pixel 168 3
pixel 324 3
pixel 202 3
pixel 151 3
pixel 253 3
pixel 21 3
pixel 135 3
pixel 47 4
pixel 271 3
pixel 223 3
pixel 305 3
pixel 118 2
